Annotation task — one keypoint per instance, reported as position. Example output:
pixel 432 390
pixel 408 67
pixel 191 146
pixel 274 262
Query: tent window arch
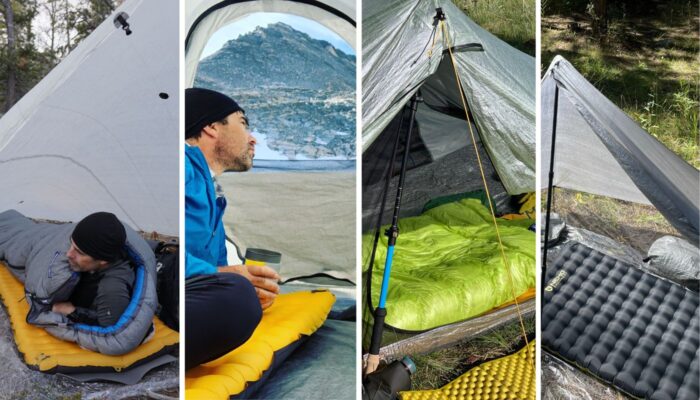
pixel 204 17
pixel 321 5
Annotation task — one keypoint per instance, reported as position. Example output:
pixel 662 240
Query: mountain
pixel 298 92
pixel 278 56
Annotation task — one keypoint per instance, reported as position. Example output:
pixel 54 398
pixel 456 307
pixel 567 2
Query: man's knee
pixel 239 301
pixel 222 312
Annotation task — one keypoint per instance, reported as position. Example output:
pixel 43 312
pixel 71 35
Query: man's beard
pixel 73 267
pixel 236 163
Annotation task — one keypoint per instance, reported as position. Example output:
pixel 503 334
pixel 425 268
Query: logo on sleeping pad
pixel 561 275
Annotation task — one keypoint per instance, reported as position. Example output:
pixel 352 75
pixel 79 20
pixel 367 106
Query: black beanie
pixel 101 236
pixel 203 107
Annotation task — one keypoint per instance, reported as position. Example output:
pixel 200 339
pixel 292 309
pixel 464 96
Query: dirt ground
pixel 633 224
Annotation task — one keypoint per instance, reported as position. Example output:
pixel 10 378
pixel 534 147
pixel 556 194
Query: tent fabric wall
pixel 600 150
pixel 308 217
pixel 568 172
pixel 499 82
pixel 113 95
pixel 451 173
pixel 204 17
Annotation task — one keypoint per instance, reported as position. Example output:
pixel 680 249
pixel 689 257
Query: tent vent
pixel 464 47
pixel 120 22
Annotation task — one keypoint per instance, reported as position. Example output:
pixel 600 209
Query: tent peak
pixel 555 64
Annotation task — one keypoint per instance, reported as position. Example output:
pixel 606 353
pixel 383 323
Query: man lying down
pixel 91 283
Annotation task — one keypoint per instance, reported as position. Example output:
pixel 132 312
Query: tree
pixel 31 47
pixel 10 60
pixel 89 15
pixel 600 9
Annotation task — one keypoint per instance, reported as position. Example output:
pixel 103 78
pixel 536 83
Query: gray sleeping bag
pixel 36 254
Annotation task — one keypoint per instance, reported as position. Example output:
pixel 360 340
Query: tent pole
pixel 392 234
pixel 549 191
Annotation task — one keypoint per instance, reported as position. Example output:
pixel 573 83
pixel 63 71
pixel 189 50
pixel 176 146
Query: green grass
pixel 513 21
pixel 647 66
pixel 438 368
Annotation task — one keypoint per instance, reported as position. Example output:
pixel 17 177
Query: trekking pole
pixel 549 194
pixel 380 214
pixel 392 234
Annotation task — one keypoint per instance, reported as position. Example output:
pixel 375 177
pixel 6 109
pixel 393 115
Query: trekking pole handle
pixel 373 357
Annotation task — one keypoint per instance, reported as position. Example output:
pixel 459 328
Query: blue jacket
pixel 205 240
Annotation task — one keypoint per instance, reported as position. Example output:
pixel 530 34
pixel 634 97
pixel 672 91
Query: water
pixel 263 152
pixel 303 165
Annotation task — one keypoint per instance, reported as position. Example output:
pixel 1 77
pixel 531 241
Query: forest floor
pixel 648 66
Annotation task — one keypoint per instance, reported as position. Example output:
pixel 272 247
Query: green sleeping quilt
pixel 448 267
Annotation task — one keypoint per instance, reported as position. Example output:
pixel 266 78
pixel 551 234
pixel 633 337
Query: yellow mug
pixel 270 258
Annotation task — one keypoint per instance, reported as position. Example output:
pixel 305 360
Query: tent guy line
pixel 486 186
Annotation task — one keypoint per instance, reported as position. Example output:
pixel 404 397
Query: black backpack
pixel 168 285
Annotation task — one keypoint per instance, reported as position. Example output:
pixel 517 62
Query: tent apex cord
pixel 483 178
pixel 439 16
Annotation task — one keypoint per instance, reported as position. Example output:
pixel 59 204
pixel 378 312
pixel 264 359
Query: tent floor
pixel 324 367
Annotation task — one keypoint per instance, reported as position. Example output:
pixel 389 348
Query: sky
pixel 252 21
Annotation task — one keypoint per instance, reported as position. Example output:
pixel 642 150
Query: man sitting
pixel 223 303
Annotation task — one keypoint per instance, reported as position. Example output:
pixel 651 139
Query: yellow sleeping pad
pixel 291 317
pixel 507 378
pixel 46 353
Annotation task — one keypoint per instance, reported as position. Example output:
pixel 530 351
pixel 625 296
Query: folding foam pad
pixel 46 353
pixel 291 318
pixel 629 328
pixel 507 378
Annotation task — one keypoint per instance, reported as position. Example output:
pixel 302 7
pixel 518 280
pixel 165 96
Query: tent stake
pixel 549 192
pixel 392 234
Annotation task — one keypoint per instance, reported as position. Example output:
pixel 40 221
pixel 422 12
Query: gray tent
pixel 99 132
pixel 402 55
pixel 405 54
pixel 600 150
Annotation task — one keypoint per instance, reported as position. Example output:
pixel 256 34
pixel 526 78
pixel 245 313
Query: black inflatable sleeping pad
pixel 627 327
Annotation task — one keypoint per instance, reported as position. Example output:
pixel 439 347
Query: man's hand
pixel 263 278
pixel 64 308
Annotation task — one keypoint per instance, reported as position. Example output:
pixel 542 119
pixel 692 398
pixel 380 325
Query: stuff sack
pixel 675 259
pixel 168 286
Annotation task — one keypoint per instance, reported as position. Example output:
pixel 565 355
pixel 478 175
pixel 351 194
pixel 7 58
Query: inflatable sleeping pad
pixel 45 353
pixel 448 267
pixel 507 378
pixel 290 319
pixel 624 326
